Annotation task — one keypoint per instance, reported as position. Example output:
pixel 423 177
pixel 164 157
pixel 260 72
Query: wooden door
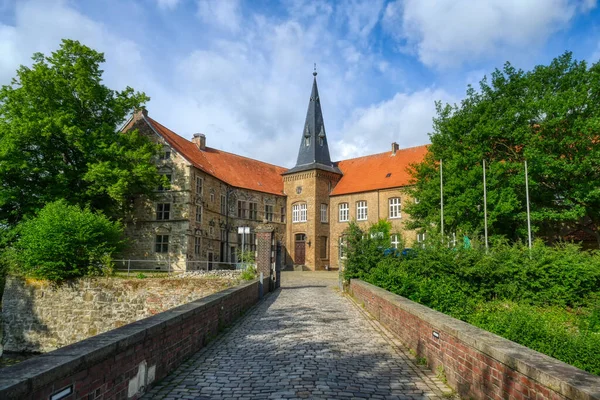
pixel 300 250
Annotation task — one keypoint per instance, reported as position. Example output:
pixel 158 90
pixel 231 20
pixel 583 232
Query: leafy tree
pixel 64 241
pixel 549 116
pixel 364 249
pixel 60 138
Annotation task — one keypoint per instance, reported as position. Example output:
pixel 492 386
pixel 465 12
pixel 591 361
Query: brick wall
pixel 124 362
pixel 476 363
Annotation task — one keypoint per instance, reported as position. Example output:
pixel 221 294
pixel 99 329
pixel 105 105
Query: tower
pixel 307 186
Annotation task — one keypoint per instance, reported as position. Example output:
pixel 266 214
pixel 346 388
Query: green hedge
pixel 547 299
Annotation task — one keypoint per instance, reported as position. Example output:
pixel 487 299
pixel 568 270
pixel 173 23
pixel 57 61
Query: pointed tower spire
pixel 314 151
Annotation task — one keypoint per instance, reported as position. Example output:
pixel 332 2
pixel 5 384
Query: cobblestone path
pixel 304 341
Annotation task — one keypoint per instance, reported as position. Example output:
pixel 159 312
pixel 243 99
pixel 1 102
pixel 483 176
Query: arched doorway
pixel 300 249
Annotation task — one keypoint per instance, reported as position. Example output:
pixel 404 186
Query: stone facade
pixel 204 216
pixel 41 317
pixel 378 208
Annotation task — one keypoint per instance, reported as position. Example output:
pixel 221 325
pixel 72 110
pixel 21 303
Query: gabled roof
pixel 378 171
pixel 314 150
pixel 238 171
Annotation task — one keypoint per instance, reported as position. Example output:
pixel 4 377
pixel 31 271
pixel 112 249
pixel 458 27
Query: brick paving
pixel 303 341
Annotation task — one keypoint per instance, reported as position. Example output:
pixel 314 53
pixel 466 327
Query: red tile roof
pixel 368 173
pixel 235 170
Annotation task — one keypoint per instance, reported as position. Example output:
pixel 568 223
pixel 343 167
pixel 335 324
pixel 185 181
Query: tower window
pixel 320 141
pixel 307 141
pixel 299 212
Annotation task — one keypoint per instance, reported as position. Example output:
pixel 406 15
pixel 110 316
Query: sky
pixel 241 71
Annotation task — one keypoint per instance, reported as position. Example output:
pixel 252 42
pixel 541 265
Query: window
pixel 249 242
pixel 282 214
pixel 223 204
pixel 199 186
pixel 212 197
pixel 269 213
pixel 161 245
pixel 395 207
pixel 163 211
pixel 299 212
pixel 197 242
pixel 198 213
pixel 307 140
pixel 421 239
pixel 323 212
pixel 165 154
pixel 242 209
pixel 162 187
pixel 342 247
pixel 323 247
pixel 253 209
pixel 361 210
pixel 395 240
pixel 344 212
pixel 211 230
pixel 320 141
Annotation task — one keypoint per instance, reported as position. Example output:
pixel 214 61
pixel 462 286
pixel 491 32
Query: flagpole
pixel 442 201
pixel 485 208
pixel 528 214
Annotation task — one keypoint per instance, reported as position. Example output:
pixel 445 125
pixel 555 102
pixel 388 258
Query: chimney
pixel 395 148
pixel 199 140
pixel 138 114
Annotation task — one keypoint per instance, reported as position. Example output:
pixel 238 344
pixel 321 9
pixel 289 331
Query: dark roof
pixel 315 153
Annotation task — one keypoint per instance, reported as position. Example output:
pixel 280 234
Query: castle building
pixel 216 199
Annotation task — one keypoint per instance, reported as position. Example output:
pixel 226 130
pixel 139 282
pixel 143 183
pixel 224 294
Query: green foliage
pixel 60 139
pixel 548 116
pixel 247 257
pixel 547 299
pixel 141 275
pixel 65 241
pixel 364 248
pixel 248 274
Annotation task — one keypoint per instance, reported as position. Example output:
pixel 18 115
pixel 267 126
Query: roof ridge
pixel 214 148
pixel 384 152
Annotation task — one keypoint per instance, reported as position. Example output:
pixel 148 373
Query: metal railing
pixel 175 266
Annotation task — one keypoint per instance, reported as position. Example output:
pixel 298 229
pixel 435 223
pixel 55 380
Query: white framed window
pixel 197 243
pixel 395 208
pixel 163 211
pixel 198 213
pixel 395 239
pixel 344 214
pixel 421 239
pixel 223 204
pixel 268 212
pixel 161 244
pixel 324 213
pixel 199 186
pixel 299 212
pixel 342 246
pixel 212 197
pixel 361 210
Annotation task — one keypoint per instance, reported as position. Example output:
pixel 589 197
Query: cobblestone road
pixel 304 341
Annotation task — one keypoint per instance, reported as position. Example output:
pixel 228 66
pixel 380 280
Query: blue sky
pixel 240 71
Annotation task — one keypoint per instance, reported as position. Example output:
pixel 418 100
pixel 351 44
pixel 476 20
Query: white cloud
pixel 406 119
pixel 220 13
pixel 449 32
pixel 361 16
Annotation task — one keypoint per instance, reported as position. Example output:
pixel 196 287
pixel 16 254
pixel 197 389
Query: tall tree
pixel 549 116
pixel 60 138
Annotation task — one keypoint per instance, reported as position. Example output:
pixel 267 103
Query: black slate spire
pixel 314 152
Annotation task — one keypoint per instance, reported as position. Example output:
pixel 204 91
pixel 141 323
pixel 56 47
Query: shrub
pixel 248 274
pixel 65 241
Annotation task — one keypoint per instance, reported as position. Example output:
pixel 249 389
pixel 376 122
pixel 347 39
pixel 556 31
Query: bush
pixel 248 274
pixel 65 241
pixel 546 298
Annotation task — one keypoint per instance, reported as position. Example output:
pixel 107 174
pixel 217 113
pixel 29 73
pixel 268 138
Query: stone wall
pixel 41 317
pixel 125 362
pixel 476 363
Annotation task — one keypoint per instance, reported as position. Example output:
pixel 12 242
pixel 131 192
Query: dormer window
pixel 320 141
pixel 307 141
